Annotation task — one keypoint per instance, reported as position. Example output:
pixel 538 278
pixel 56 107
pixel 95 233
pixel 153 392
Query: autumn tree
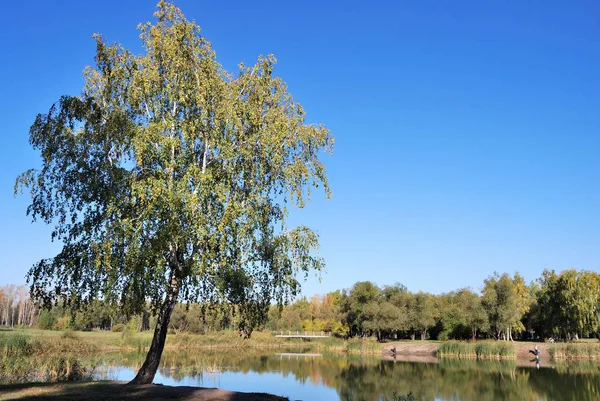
pixel 169 179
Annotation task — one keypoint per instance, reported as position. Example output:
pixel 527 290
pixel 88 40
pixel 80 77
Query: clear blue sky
pixel 467 133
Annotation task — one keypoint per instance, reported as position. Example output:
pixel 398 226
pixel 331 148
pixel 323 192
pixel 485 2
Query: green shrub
pixel 47 320
pixel 118 328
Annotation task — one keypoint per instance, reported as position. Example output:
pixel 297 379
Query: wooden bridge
pixel 288 355
pixel 303 334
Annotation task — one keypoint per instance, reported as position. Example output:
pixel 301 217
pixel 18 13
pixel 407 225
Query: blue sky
pixel 467 132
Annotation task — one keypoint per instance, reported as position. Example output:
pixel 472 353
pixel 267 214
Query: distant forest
pixel 562 305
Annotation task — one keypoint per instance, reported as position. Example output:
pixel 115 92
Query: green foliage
pixel 118 328
pixel 568 303
pixel 383 316
pixel 461 315
pixel 47 320
pixel 422 313
pixel 359 296
pixel 507 300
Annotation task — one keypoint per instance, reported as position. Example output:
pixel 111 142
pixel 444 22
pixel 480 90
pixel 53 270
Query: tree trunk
pixel 148 370
pixel 145 320
pixel 412 335
pixel 423 334
pixel 473 334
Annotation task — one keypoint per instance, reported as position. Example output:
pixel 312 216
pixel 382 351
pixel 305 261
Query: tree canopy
pixel 169 178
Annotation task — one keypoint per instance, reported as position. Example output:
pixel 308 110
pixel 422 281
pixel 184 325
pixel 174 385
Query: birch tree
pixel 170 179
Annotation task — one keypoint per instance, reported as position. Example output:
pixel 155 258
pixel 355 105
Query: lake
pixel 302 375
pixel 314 377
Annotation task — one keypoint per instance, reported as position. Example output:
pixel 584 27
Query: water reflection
pixel 355 378
pixel 314 377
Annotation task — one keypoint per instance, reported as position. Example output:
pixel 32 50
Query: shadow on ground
pixel 77 391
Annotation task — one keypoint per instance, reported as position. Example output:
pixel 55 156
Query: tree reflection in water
pixel 370 379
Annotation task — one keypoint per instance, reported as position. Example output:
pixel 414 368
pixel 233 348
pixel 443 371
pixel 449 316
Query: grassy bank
pixel 23 358
pixel 477 350
pixel 29 342
pixel 16 343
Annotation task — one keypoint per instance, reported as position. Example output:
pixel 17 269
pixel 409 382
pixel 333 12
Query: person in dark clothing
pixel 535 351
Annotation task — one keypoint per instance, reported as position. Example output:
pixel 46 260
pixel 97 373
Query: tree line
pixel 16 308
pixel 561 305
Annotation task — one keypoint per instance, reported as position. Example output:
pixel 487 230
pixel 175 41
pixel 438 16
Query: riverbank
pixel 104 390
pixel 32 341
pixel 497 349
pixel 49 342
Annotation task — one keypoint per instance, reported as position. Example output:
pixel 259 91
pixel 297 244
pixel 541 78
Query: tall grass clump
pixel 575 351
pixel 60 368
pixel 14 344
pixel 479 350
pixel 494 350
pixel 456 349
pixel 45 368
pixel 67 342
pixel 363 346
pixel 137 341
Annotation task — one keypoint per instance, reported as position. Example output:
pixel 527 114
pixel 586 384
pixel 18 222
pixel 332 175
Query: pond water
pixel 314 377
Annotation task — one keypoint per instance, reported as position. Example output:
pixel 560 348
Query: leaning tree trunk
pixel 148 370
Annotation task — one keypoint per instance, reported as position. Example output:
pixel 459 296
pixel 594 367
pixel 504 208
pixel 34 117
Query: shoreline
pixel 38 342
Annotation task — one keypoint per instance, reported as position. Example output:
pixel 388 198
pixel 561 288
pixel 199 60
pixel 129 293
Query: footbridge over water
pixel 303 334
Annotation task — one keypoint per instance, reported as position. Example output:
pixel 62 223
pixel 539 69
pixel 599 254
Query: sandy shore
pixel 427 349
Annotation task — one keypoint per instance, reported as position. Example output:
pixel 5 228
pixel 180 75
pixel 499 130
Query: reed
pixel 44 368
pixel 359 346
pixel 14 343
pixel 479 350
pixel 575 351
